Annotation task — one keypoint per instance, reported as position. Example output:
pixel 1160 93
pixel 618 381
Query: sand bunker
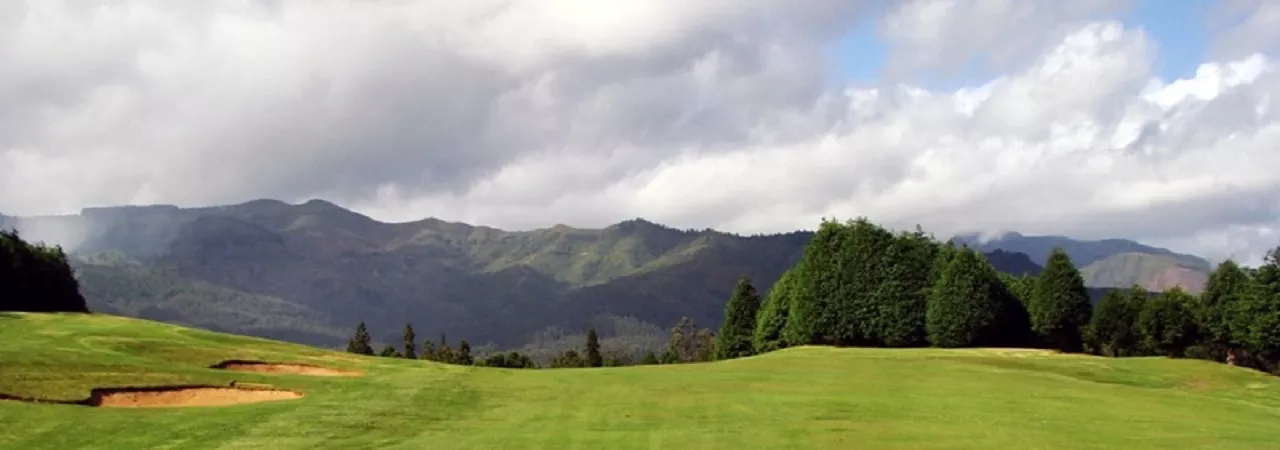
pixel 185 396
pixel 172 396
pixel 283 368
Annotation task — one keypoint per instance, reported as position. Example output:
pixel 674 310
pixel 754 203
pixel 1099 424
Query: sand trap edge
pixel 283 368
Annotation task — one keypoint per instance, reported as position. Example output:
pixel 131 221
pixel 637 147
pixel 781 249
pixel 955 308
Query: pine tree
pixel 410 342
pixel 464 354
pixel 359 342
pixel 772 319
pixel 1257 324
pixel 568 358
pixel 389 351
pixel 902 294
pixel 814 314
pixel 735 336
pixel 428 350
pixel 962 311
pixel 1167 323
pixel 1113 328
pixel 593 349
pixel 1220 304
pixel 1060 308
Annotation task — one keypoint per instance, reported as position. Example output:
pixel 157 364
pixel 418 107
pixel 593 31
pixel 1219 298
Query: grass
pixel 796 398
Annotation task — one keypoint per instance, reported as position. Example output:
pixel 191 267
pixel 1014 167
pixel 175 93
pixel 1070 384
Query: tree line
pixel 859 284
pixel 687 343
pixel 36 277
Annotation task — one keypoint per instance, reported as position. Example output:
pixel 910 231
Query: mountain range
pixel 309 272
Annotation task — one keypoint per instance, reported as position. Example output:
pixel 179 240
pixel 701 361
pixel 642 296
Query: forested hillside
pixel 309 272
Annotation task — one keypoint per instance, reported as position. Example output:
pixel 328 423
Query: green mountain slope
pixel 797 398
pixel 309 272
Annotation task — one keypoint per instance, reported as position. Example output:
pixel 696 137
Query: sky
pixel 1154 120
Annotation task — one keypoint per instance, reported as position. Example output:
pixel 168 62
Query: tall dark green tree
pixel 735 337
pixel 36 277
pixel 962 309
pixel 865 288
pixel 815 309
pixel 463 356
pixel 359 342
pixel 428 350
pixel 1220 305
pixel 772 318
pixel 1258 322
pixel 410 342
pixel 593 349
pixel 1113 328
pixel 389 351
pixel 1167 323
pixel 1060 308
pixel 901 295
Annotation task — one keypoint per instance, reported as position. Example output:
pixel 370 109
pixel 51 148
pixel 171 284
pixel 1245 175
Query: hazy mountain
pixel 1107 263
pixel 309 272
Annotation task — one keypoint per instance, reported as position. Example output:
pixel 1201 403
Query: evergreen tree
pixel 1167 323
pixel 36 277
pixel 902 293
pixel 410 342
pixel 1257 324
pixel 1060 307
pixel 649 358
pixel 593 349
pixel 735 336
pixel 1021 287
pixel 772 318
pixel 865 285
pixel 359 342
pixel 1113 328
pixel 961 310
pixel 817 313
pixel 568 359
pixel 1220 304
pixel 463 356
pixel 389 351
pixel 428 350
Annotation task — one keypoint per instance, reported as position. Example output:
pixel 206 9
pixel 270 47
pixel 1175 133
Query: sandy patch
pixel 170 396
pixel 283 368
pixel 185 396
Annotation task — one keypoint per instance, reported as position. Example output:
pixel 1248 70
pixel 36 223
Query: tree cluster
pixel 36 277
pixel 1236 319
pixel 859 284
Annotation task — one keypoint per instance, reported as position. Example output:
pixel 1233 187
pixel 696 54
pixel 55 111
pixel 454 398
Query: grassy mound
pixel 796 398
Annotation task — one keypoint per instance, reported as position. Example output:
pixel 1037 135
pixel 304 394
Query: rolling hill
pixel 309 272
pixel 154 385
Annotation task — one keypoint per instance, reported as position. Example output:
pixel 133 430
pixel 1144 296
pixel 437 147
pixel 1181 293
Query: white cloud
pixel 713 115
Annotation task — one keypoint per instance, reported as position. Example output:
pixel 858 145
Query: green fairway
pixel 796 398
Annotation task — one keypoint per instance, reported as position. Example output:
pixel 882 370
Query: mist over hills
pixel 308 272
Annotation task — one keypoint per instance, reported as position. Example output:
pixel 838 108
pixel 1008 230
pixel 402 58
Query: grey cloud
pixel 216 104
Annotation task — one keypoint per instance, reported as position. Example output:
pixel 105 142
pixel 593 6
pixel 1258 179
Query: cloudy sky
pixel 1150 119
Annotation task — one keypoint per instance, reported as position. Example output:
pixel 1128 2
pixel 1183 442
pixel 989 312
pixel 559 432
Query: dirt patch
pixel 172 396
pixel 283 368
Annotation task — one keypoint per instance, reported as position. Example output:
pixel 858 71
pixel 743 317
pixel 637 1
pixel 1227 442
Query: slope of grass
pixel 797 398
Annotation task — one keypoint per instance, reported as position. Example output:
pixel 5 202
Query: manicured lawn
pixel 796 398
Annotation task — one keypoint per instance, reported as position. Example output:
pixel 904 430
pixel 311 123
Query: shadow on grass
pixel 9 316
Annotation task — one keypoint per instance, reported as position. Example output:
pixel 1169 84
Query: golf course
pixel 63 377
